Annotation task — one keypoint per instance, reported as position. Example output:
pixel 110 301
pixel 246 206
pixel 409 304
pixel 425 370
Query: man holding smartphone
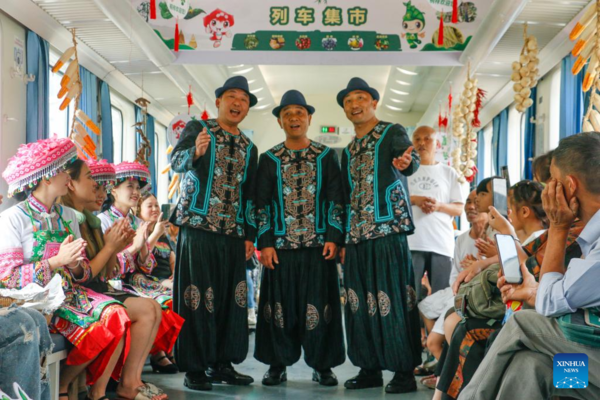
pixel 436 198
pixel 567 302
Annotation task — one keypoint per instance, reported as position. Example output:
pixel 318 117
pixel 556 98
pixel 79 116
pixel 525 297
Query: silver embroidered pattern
pixel 371 304
pixel 278 315
pixel 191 297
pixel 241 291
pixel 312 317
pixel 384 303
pixel 353 300
pixel 209 300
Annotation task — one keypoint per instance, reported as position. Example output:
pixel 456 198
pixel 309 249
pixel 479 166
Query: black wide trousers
pixel 210 293
pixel 299 308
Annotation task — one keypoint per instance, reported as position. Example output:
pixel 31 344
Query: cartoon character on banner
pixel 218 24
pixel 414 25
pixel 176 127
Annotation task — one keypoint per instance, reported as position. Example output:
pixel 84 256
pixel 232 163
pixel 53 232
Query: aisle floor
pixel 298 386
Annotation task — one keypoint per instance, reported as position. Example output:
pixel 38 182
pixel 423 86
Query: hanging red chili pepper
pixel 440 41
pixel 152 9
pixel 455 12
pixel 190 99
pixel 176 42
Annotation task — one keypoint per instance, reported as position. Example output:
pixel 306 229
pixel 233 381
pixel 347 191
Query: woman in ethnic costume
pixel 87 185
pixel 39 239
pixel 149 210
pixel 137 261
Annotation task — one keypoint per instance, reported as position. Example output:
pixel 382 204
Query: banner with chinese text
pixel 307 26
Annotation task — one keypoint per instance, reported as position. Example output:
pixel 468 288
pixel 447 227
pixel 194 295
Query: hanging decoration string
pixel 71 88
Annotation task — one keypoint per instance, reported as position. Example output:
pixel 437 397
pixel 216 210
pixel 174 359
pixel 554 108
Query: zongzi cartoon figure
pixel 414 24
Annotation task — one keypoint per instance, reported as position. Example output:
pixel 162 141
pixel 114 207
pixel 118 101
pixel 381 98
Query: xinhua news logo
pixel 571 371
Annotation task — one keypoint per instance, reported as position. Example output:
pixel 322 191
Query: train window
pixel 117 128
pixel 59 121
pixel 515 143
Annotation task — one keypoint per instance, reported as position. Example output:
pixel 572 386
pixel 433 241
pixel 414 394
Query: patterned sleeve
pixel 335 200
pixel 126 262
pixel 346 185
pixel 182 158
pixel 265 184
pixel 15 273
pixel 249 197
pixel 400 143
pixel 147 266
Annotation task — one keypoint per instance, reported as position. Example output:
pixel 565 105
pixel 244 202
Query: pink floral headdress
pixel 34 161
pixel 133 170
pixel 102 172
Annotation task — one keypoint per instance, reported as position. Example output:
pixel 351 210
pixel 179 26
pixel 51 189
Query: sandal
pixel 65 394
pixel 150 390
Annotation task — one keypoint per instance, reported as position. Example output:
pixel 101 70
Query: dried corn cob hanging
pixel 587 50
pixel 70 88
pixel 525 72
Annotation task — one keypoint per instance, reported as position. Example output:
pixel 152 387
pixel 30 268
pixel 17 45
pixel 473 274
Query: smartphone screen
pixel 500 201
pixel 166 211
pixel 509 258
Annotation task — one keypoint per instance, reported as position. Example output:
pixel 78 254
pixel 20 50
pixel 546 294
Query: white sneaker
pixel 251 317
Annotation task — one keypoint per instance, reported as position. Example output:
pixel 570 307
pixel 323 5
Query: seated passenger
pixel 39 239
pixel 567 301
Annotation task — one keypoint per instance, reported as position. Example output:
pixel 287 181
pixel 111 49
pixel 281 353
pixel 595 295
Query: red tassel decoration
pixel 176 42
pixel 440 41
pixel 152 9
pixel 190 99
pixel 455 12
pixel 204 115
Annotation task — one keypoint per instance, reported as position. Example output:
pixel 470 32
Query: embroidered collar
pixel 37 207
pixel 114 210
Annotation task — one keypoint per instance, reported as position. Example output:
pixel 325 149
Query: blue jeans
pixel 24 344
pixel 251 301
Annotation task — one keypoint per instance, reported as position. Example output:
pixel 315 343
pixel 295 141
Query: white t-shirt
pixel 434 232
pixel 465 245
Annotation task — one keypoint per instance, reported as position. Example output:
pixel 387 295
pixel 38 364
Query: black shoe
pixel 364 380
pixel 197 381
pixel 224 373
pixel 403 382
pixel 325 377
pixel 275 376
pixel 163 369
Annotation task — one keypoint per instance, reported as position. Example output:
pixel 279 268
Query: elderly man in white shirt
pixel 519 365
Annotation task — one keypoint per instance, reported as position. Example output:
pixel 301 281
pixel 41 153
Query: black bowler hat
pixel 293 97
pixel 237 82
pixel 356 84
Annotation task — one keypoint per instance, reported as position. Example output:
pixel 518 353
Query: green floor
pixel 298 386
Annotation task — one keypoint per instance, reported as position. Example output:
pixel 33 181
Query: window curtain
pixel 88 103
pixel 37 123
pixel 480 155
pixel 572 99
pixel 139 117
pixel 529 136
pixel 500 141
pixel 106 121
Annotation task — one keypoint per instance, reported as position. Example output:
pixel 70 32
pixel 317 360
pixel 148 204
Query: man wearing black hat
pixel 300 226
pixel 382 322
pixel 216 216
